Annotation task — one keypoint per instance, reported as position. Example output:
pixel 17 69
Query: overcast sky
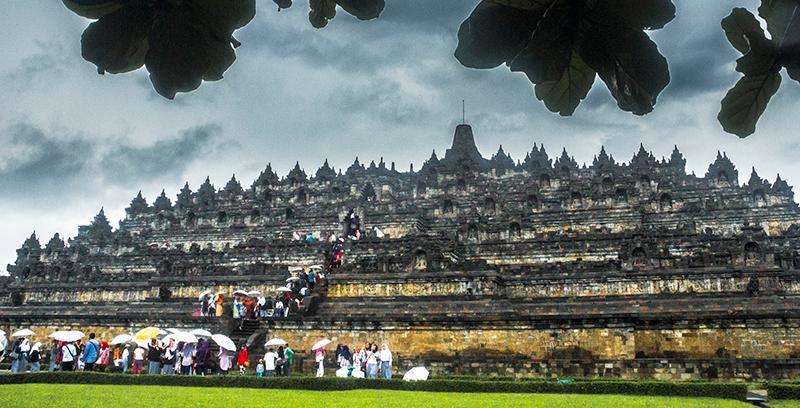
pixel 73 141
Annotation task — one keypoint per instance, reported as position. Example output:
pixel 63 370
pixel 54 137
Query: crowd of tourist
pixel 170 357
pixel 288 300
pixel 364 362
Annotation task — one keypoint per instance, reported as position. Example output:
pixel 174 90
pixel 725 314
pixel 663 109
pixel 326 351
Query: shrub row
pixel 783 391
pixel 655 388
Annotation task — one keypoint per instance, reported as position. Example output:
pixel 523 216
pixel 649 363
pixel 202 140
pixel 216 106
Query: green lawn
pixel 784 404
pixel 73 396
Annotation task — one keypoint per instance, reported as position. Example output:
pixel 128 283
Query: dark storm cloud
pixel 128 165
pixel 35 164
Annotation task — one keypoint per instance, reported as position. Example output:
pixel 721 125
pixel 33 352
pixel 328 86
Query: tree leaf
pixel 183 52
pixel 630 65
pixel 746 101
pixel 363 9
pixel 283 4
pixel 780 15
pixel 117 42
pixel 564 96
pixel 321 11
pixel 494 34
pixel 548 53
pixel 638 14
pixel 762 57
pixel 794 72
pixel 93 9
pixel 738 25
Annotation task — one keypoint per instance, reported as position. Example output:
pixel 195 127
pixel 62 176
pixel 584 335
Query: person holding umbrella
pixel 154 358
pixel 35 357
pixel 169 356
pixel 289 355
pixel 319 355
pixel 69 353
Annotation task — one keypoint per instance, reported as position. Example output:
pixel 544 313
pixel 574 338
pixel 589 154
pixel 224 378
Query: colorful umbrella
pixel 320 344
pixel 224 342
pixel 147 333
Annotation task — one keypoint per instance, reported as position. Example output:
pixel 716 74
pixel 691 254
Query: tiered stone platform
pixel 540 267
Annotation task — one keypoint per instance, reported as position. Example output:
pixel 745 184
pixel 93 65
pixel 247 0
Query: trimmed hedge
pixel 783 391
pixel 654 388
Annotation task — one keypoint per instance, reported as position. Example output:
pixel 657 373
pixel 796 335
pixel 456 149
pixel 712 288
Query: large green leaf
pixel 183 52
pixel 608 36
pixel 630 65
pixel 494 34
pixel 117 42
pixel 780 15
pixel 548 52
pixel 762 57
pixel 746 101
pixel 564 95
pixel 738 25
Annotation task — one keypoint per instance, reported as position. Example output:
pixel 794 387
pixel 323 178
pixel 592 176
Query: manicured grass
pixel 127 396
pixel 784 404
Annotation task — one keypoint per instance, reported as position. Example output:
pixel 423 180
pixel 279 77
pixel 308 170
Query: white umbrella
pixel 416 374
pixel 296 269
pixel 204 294
pixel 224 342
pixel 121 339
pixel 292 278
pixel 3 342
pixel 23 333
pixel 240 292
pixel 142 343
pixel 182 337
pixel 173 330
pixel 162 332
pixel 67 335
pixel 276 342
pixel 315 267
pixel 254 293
pixel 320 344
pixel 201 332
pixel 283 289
pixel 2 333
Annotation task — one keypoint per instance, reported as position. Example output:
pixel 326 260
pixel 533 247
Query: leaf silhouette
pixel 561 44
pixel 564 95
pixel 181 43
pixel 322 11
pixel 761 62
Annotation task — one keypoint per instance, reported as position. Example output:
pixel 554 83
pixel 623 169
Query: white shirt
pixel 138 354
pixel 269 360
pixel 68 353
pixel 386 355
pixel 125 354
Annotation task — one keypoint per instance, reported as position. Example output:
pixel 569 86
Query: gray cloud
pixel 34 164
pixel 129 165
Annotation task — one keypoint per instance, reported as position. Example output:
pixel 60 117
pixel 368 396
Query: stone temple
pixel 487 266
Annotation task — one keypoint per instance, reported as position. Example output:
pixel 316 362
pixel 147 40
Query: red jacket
pixel 243 357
